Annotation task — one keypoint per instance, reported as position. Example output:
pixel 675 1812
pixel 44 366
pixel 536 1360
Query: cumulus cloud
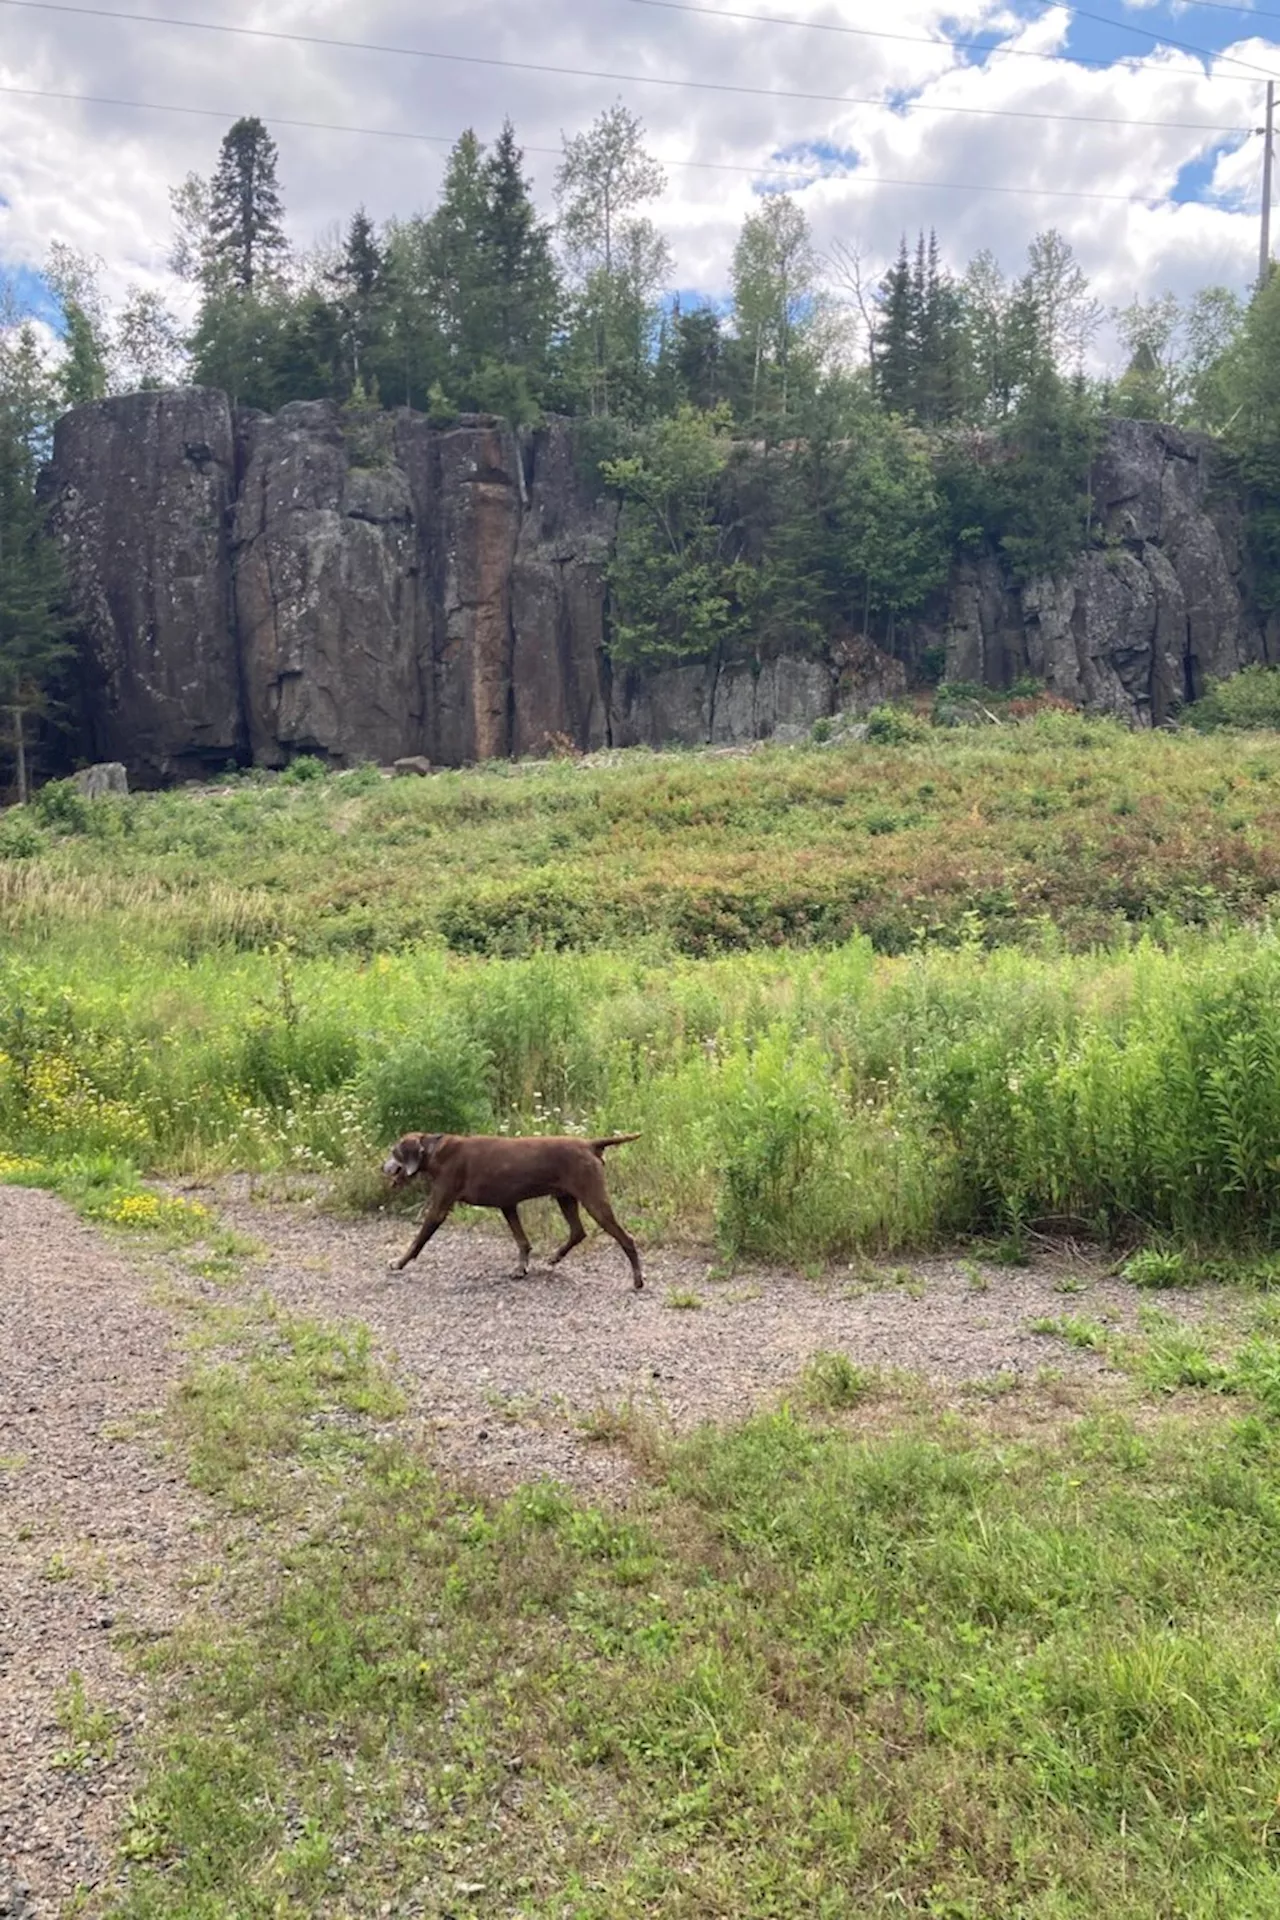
pixel 1176 203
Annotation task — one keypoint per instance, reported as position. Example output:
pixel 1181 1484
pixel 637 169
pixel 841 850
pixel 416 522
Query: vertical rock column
pixel 332 609
pixel 470 523
pixel 140 490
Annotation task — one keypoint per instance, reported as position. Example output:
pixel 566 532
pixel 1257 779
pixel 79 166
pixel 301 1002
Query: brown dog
pixel 486 1170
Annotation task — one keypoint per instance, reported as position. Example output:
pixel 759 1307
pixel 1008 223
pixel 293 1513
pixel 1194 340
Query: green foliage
pixel 433 1081
pixel 247 245
pixel 1156 1268
pixel 61 805
pixel 664 945
pixel 1025 490
pixel 674 587
pixel 833 1381
pixel 895 727
pixel 1249 699
pixel 774 278
pixel 303 768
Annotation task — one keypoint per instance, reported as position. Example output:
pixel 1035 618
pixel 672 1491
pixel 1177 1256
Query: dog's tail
pixel 613 1140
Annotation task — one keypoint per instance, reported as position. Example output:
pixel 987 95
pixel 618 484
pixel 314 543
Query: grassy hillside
pixel 1064 819
pixel 844 992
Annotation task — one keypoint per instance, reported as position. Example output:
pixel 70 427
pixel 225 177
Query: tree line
pixel 798 461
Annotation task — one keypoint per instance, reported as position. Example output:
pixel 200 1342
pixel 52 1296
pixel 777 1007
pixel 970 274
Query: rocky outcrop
pixel 367 586
pixel 1141 620
pixel 141 492
pixel 360 586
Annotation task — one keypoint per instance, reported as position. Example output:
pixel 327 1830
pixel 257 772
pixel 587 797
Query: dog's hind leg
pixel 602 1213
pixel 512 1217
pixel 577 1232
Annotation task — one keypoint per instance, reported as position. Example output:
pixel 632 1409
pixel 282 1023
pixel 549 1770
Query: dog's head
pixel 410 1156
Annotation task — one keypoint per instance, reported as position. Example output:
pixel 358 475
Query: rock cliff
pixel 1140 621
pixel 370 587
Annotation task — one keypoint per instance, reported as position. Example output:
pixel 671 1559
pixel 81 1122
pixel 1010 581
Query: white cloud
pixel 99 176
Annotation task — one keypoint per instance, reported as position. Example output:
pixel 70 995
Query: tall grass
pixel 1060 820
pixel 796 1104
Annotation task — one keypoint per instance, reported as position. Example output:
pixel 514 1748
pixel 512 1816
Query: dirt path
pixel 502 1373
pixel 98 1533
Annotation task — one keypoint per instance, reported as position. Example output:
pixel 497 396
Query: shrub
pixel 433 1081
pixel 60 804
pixel 894 727
pixel 306 767
pixel 1250 698
pixel 20 837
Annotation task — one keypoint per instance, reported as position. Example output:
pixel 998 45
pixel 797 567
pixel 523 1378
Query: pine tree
pixel 895 336
pixel 699 353
pixel 357 312
pixel 518 271
pixel 454 258
pixel 247 244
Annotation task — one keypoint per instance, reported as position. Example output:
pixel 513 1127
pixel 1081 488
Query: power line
pixel 641 79
pixel 764 170
pixel 1235 6
pixel 938 40
pixel 1161 39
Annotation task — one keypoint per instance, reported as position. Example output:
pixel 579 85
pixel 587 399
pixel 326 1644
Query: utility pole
pixel 1268 134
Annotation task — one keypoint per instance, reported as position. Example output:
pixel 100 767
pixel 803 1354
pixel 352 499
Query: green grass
pixel 808 1671
pixel 796 1106
pixel 284 975
pixel 1061 819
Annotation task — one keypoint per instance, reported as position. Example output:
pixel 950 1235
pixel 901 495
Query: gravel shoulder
pixel 502 1373
pixel 96 1533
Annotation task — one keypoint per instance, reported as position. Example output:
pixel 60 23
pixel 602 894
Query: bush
pixel 895 727
pixel 1250 698
pixel 20 837
pixel 305 768
pixel 433 1081
pixel 61 804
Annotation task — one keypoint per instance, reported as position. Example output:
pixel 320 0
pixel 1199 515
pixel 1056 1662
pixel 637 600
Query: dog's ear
pixel 429 1142
pixel 405 1158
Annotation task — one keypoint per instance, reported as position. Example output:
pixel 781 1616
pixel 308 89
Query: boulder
pixel 108 776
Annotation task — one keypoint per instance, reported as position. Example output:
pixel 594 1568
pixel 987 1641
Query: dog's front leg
pixel 435 1216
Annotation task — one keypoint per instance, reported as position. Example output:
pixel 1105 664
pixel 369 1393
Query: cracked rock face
pixel 362 586
pixel 141 490
pixel 368 587
pixel 1138 623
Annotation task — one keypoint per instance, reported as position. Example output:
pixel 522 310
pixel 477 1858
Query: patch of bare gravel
pixel 96 1530
pixel 502 1372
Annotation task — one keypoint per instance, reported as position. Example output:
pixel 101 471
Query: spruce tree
pixel 895 352
pixel 518 271
pixel 246 217
pixel 357 311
